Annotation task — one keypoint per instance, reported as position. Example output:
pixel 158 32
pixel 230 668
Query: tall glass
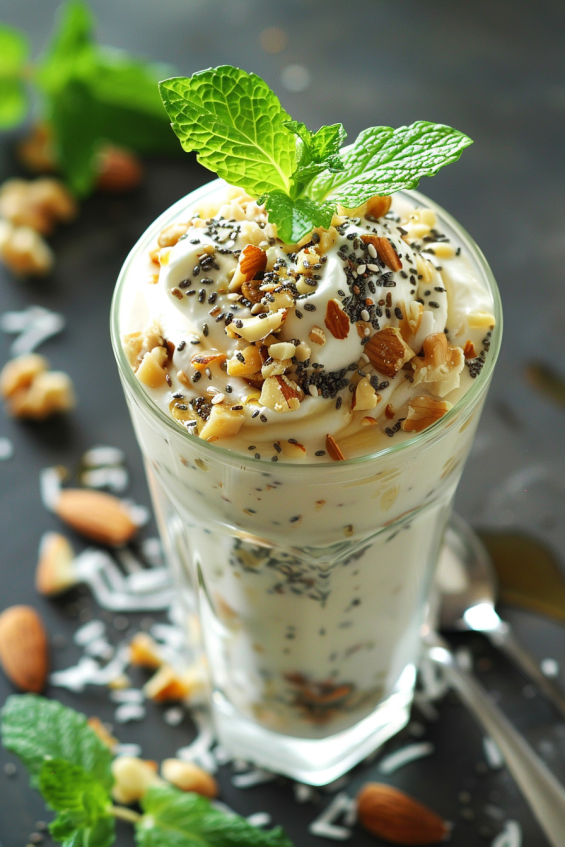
pixel 311 580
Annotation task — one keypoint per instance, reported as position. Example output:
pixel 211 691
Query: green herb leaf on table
pixel 35 728
pixel 175 819
pixel 236 125
pixel 82 802
pixel 95 94
pixel 383 160
pixel 14 50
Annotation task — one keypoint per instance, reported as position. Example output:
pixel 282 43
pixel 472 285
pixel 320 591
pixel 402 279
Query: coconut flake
pixel 50 480
pixel 100 648
pixel 89 632
pixel 127 695
pixel 33 326
pixel 407 754
pixel 114 479
pixel 324 825
pixel 111 589
pixel 511 836
pixel 129 712
pixel 302 793
pixel 127 750
pixel 550 668
pixel 102 455
pixel 494 757
pixel 259 819
pixel 173 716
pixel 257 776
pixel 199 750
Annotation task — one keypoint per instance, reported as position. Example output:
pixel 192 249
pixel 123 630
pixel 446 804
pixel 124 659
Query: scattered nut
pixel 55 571
pixel 222 423
pixel 423 412
pixel 201 361
pixel 31 391
pixel 189 777
pixel 280 394
pixel 385 251
pixel 317 335
pixel 394 816
pixel 24 250
pixel 97 515
pixel 480 320
pixel 333 449
pixel 133 777
pixel 20 372
pixel 105 737
pixel 118 169
pixel 144 651
pixel 364 397
pixel 252 362
pixel 39 204
pixel 257 328
pixel 169 236
pixel 151 371
pixel 252 262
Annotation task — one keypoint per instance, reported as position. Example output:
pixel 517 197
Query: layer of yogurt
pixel 317 351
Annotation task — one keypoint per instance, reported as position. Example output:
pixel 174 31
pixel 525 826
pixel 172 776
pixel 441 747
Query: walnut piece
pixel 440 366
pixel 24 251
pixel 388 351
pixel 32 391
pixel 423 412
pixel 38 204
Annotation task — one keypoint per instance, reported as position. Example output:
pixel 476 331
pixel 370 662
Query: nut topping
pixel 440 366
pixel 317 335
pixel 280 394
pixel 388 351
pixel 252 261
pixel 203 360
pixel 394 816
pixel 336 320
pixel 364 396
pixel 423 412
pixel 333 449
pixel 385 251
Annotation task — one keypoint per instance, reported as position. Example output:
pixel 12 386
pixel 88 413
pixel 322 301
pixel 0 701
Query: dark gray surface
pixel 492 69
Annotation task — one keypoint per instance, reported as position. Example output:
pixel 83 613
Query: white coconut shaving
pixel 89 632
pixel 407 754
pixel 114 479
pixel 324 826
pixel 200 750
pixel 257 776
pixel 495 759
pixel 33 326
pixel 129 712
pixel 102 455
pixel 511 836
pixel 6 449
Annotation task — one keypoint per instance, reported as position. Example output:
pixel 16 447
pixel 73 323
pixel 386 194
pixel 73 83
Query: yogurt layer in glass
pixel 303 463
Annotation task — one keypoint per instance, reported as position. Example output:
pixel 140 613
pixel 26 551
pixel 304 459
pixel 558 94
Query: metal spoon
pixel 466 580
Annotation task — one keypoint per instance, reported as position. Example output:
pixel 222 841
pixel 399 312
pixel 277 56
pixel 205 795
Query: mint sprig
pixel 240 131
pixel 89 95
pixel 175 819
pixel 71 767
pixel 14 51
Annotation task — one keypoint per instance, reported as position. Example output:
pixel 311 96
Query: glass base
pixel 313 761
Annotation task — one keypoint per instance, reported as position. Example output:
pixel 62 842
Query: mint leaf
pixel 82 802
pixel 71 46
pixel 383 160
pixel 295 218
pixel 236 125
pixel 35 728
pixel 175 819
pixel 14 51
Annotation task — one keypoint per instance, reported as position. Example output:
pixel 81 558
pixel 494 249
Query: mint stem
pixel 125 814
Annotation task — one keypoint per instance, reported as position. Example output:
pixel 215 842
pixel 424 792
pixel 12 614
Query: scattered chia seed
pixel 181 346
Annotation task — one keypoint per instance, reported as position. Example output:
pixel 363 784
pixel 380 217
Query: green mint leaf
pixel 82 802
pixel 14 51
pixel 71 46
pixel 35 728
pixel 13 102
pixel 175 819
pixel 296 218
pixel 383 160
pixel 316 152
pixel 235 123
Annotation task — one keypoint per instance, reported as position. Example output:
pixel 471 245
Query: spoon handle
pixel 504 639
pixel 544 793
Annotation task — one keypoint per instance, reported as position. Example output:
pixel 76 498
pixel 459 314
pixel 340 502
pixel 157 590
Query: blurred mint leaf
pixel 295 218
pixel 35 728
pixel 174 818
pixel 96 95
pixel 383 160
pixel 236 125
pixel 14 51
pixel 82 802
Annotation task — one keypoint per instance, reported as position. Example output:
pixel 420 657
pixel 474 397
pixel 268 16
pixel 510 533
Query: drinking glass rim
pixel 217 452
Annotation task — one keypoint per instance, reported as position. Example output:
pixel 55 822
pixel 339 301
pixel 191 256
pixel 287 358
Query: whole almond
pixel 55 571
pixel 336 320
pixel 23 648
pixel 100 517
pixel 396 817
pixel 385 251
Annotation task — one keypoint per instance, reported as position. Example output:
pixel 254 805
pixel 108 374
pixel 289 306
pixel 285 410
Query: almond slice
pixel 469 350
pixel 336 320
pixel 23 648
pixel 385 251
pixel 317 335
pixel 388 351
pixel 203 360
pixel 252 261
pixel 333 449
pixel 99 516
pixel 394 816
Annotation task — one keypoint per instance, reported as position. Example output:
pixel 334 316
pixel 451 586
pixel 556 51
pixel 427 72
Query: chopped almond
pixel 203 360
pixel 251 363
pixel 144 651
pixel 423 412
pixel 280 394
pixel 440 366
pixel 364 396
pixel 169 236
pixel 317 336
pixel 222 423
pixel 166 685
pixel 55 571
pixel 469 350
pixel 252 261
pixel 258 327
pixel 188 776
pixel 388 351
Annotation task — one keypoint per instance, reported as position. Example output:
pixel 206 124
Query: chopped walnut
pixel 423 412
pixel 223 422
pixel 20 372
pixel 39 204
pixel 411 319
pixel 50 392
pixel 169 236
pixel 388 351
pixel 151 371
pixel 440 366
